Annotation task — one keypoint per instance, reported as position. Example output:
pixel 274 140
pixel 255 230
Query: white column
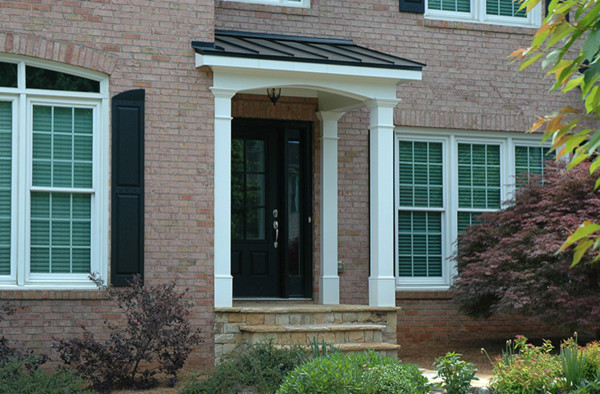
pixel 329 281
pixel 382 283
pixel 223 291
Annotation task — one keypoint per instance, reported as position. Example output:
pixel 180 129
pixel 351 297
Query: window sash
pixel 478 13
pixel 7 136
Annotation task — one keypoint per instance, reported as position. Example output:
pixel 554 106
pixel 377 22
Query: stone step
pixel 314 328
pixel 388 349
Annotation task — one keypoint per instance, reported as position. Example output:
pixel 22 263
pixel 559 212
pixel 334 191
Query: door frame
pixel 305 130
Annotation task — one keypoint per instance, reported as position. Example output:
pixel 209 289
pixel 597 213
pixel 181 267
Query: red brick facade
pixel 467 84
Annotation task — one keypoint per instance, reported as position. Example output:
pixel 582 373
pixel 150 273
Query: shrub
pixel 455 373
pixel 156 338
pixel 342 373
pixel 508 262
pixel 24 376
pixel 399 378
pixel 260 366
pixel 530 370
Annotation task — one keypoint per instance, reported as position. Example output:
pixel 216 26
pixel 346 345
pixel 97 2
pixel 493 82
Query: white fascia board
pixel 306 67
pixel 359 88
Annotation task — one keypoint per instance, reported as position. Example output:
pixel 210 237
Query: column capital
pixel 331 116
pixel 223 93
pixel 379 102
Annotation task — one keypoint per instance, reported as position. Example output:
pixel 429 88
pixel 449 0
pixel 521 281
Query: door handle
pixel 276 228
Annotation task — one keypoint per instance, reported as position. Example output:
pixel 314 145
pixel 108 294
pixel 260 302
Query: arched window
pixel 53 174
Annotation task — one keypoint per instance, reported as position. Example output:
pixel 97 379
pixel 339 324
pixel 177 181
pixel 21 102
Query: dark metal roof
pixel 300 49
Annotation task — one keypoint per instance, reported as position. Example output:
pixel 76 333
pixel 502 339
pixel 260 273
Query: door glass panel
pixel 293 206
pixel 248 189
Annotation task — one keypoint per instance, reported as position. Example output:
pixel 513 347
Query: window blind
pixel 5 185
pixel 450 5
pixel 61 222
pixel 504 8
pixel 420 176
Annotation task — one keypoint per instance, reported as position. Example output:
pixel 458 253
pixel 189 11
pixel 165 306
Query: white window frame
pixel 478 15
pixel 23 101
pixel 450 140
pixel 282 3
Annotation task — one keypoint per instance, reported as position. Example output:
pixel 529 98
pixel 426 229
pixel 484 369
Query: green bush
pixel 261 366
pixel 455 373
pixel 399 378
pixel 530 370
pixel 353 373
pixel 23 376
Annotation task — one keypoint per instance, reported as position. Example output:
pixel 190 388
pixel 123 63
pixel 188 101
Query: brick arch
pixel 15 43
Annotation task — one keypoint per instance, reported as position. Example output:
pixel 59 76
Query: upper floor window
pixel 286 3
pixel 503 12
pixel 53 175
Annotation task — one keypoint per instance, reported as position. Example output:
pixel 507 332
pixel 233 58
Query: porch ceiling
pixel 339 72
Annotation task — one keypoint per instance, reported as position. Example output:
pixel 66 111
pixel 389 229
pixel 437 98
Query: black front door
pixel 270 209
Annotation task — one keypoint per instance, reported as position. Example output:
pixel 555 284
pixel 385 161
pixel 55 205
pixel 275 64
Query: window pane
pixel 39 78
pixel 5 184
pixel 420 174
pixel 419 244
pixel 465 219
pixel 530 160
pixel 8 75
pixel 62 147
pixel 504 8
pixel 478 176
pixel 450 5
pixel 60 232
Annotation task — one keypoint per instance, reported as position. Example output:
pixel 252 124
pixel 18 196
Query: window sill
pixel 30 294
pixel 476 26
pixel 261 7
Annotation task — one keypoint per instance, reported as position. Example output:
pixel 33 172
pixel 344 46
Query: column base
pixel 382 291
pixel 223 291
pixel 329 290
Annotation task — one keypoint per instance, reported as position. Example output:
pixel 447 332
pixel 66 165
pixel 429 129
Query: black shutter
pixel 127 198
pixel 416 6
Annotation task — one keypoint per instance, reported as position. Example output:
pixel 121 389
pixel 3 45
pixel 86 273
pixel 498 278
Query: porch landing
pixel 353 328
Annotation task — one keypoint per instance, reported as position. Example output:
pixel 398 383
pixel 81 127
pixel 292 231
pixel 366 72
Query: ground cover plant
pixel 155 339
pixel 354 373
pixel 508 262
pixel 260 366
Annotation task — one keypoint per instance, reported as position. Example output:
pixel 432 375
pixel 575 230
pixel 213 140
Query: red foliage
pixel 508 262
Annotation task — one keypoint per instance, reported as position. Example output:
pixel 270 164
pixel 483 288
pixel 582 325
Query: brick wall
pixel 139 44
pixel 431 315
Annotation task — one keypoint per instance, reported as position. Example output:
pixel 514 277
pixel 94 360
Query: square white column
pixel 223 281
pixel 382 282
pixel 329 281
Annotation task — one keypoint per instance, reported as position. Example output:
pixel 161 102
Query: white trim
pixel 282 3
pixel 451 138
pixel 478 15
pixel 23 101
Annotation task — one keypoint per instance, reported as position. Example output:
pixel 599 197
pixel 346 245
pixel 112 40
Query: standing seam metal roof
pixel 300 49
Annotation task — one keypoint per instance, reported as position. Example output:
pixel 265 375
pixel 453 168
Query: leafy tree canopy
pixel 508 262
pixel 567 45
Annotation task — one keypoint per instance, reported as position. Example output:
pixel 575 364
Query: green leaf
pixel 580 250
pixel 579 157
pixel 595 165
pixel 531 60
pixel 591 45
pixel 591 100
pixel 550 58
pixel 572 84
pixel 563 30
pixel 584 230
